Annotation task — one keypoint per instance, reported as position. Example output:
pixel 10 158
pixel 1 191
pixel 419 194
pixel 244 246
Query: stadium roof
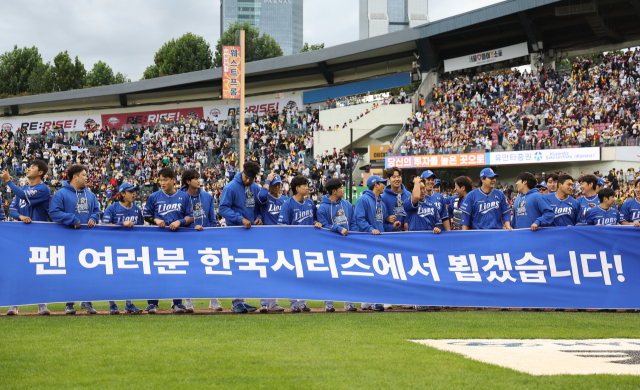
pixel 561 25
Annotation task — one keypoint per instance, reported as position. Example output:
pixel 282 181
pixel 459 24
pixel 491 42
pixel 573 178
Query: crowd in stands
pixel 595 103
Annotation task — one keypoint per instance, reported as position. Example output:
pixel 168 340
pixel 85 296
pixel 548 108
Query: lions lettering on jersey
pixel 274 209
pixel 249 200
pixel 164 209
pixel 606 221
pixel 300 216
pixel 485 207
pixel 426 211
pixel 560 211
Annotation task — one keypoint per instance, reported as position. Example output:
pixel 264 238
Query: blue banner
pixel 574 267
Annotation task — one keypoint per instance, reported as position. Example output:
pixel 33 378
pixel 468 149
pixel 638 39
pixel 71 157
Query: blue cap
pixel 543 184
pixel 601 181
pixel 427 174
pixel 437 183
pixel 375 179
pixel 127 187
pixel 488 172
pixel 276 180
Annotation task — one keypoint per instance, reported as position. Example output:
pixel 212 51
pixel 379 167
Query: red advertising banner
pixel 231 72
pixel 436 160
pixel 116 121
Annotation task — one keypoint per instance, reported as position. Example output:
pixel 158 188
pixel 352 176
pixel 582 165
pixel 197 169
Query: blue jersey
pixel 270 207
pixel 566 211
pixel 118 214
pixel 423 215
pixel 169 208
pixel 440 205
pixel 485 211
pixel 33 202
pixel 599 216
pixel 630 211
pixel 586 204
pixel 296 213
pixel 3 216
pixel 531 208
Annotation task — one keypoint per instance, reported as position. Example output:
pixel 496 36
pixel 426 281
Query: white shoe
pixel 13 311
pixel 214 304
pixel 276 308
pixel 189 305
pixel 407 306
pixel 365 306
pixel 43 310
pixel 388 307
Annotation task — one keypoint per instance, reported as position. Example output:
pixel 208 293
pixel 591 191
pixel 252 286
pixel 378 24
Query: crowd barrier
pixel 566 267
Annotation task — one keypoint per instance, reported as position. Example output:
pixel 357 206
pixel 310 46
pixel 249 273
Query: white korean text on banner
pixel 486 57
pixel 544 156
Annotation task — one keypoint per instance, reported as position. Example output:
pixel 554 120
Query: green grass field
pixel 339 350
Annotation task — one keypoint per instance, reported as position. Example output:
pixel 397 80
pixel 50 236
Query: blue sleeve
pixel 465 207
pixel 226 210
pixel 212 213
pixel 624 213
pixel 57 213
pixel 19 192
pixel 285 218
pixel 150 207
pixel 42 195
pixel 388 226
pixel 95 210
pixel 353 225
pixel 514 217
pixel 444 211
pixel 361 220
pixel 506 209
pixel 589 217
pixel 187 211
pixel 3 216
pixel 108 215
pixel 14 214
pixel 546 212
pixel 262 196
pixel 315 212
pixel 140 217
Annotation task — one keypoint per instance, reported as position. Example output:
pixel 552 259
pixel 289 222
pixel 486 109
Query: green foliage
pixel 67 75
pixel 16 67
pixel 307 48
pixel 257 47
pixel 101 74
pixel 189 53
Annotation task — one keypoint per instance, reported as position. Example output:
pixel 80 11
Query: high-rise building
pixel 280 19
pixel 379 17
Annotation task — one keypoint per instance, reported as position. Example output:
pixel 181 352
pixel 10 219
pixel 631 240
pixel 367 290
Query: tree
pixel 257 47
pixel 121 78
pixel 41 79
pixel 306 47
pixel 101 74
pixel 65 74
pixel 189 53
pixel 16 67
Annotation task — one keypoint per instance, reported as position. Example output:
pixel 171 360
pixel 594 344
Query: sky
pixel 126 33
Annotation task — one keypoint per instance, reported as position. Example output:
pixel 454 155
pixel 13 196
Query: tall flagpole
pixel 242 87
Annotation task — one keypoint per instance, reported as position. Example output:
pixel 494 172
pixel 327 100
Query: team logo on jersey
pixel 300 216
pixel 425 211
pixel 379 215
pixel 198 210
pixel 165 209
pixel 249 200
pixel 488 206
pixel 274 209
pixel 340 218
pixel 398 209
pixel 560 211
pixel 607 221
pixel 522 208
pixel 82 207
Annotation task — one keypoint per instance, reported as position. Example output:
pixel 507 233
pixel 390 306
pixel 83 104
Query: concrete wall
pixel 394 114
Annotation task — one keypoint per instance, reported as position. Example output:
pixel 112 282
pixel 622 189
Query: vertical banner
pixel 231 72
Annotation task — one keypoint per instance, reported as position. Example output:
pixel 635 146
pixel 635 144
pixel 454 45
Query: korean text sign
pixel 573 267
pixel 231 72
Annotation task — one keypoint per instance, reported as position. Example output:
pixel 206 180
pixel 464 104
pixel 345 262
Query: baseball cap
pixel 437 183
pixel 601 181
pixel 127 187
pixel 488 172
pixel 543 184
pixel 375 179
pixel 276 180
pixel 427 174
